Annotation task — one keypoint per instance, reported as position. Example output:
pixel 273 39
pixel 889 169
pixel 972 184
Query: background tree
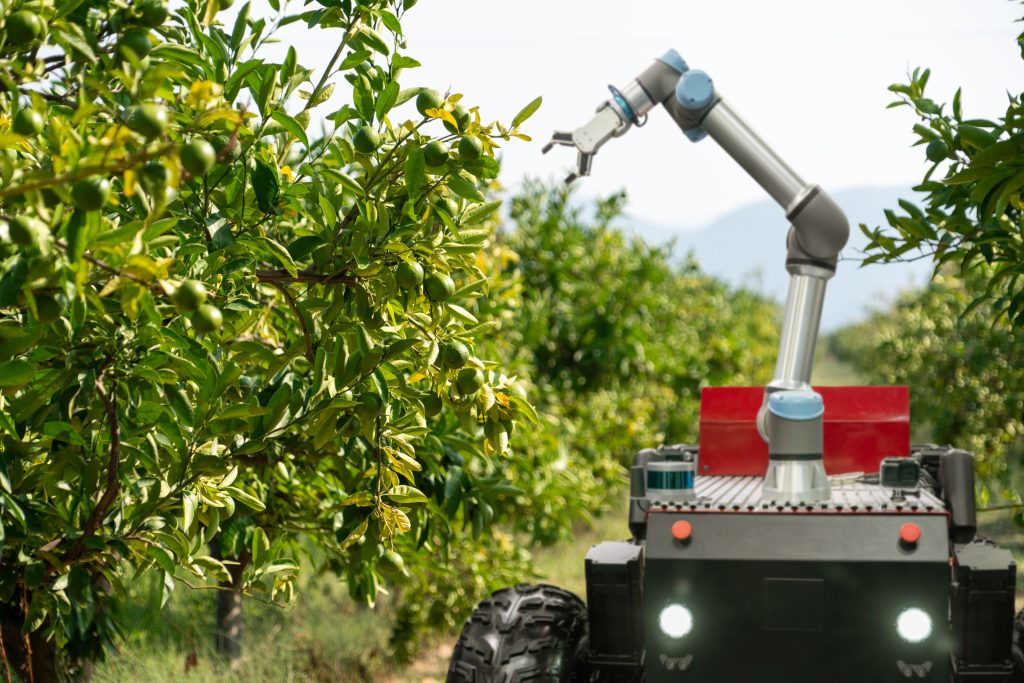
pixel 964 372
pixel 218 321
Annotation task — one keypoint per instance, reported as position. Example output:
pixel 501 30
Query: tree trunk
pixel 31 658
pixel 230 627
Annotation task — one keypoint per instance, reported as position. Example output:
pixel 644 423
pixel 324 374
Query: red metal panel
pixel 862 426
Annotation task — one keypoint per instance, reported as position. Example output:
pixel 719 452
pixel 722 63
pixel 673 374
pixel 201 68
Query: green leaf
pixel 406 495
pixel 480 213
pixel 246 499
pixel 527 112
pixel 15 373
pixel 292 126
pixel 386 100
pixel 372 39
pixel 14 278
pixel 465 189
pixel 265 184
pixel 260 547
pixel 415 175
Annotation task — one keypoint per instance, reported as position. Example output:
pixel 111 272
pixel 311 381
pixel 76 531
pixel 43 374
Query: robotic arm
pixel 819 228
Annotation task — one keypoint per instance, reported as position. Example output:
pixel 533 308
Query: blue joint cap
pixel 796 405
pixel 695 91
pixel 674 60
pixel 695 134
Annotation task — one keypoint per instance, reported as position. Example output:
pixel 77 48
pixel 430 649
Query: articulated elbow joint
pixel 820 230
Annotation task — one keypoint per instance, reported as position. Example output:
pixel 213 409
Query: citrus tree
pixel 964 374
pixel 973 208
pixel 235 307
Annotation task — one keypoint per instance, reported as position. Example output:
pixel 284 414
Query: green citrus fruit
pixel 198 157
pixel 461 117
pixel 224 4
pixel 366 140
pixel 470 149
pixel 409 275
pixel 391 562
pixel 152 13
pixel 189 295
pixel 48 308
pixel 432 405
pixel 28 122
pixel 428 99
pixel 90 194
pixel 149 120
pixel 454 355
pixel 439 287
pixel 220 145
pixel 207 318
pixel 435 153
pixel 937 150
pixel 137 41
pixel 153 177
pixel 23 27
pixel 469 380
pixel 26 231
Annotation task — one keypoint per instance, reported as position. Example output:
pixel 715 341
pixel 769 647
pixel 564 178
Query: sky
pixel 810 76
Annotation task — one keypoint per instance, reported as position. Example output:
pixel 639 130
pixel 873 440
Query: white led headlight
pixel 675 621
pixel 914 625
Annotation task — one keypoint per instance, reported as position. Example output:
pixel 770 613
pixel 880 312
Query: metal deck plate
pixel 743 494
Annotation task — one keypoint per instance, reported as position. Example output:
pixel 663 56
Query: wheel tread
pixel 522 634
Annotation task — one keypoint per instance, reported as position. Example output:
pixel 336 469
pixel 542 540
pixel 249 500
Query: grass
pixel 323 637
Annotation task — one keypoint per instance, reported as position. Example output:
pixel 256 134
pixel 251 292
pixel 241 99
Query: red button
pixel 682 530
pixel 910 533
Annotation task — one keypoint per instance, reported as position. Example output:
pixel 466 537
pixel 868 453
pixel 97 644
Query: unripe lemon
pixel 23 27
pixel 149 120
pixel 428 99
pixel 454 355
pixel 207 318
pixel 936 151
pixel 439 287
pixel 189 295
pixel 409 275
pixel 90 194
pixel 28 122
pixel 366 140
pixel 432 405
pixel 391 562
pixel 198 157
pixel 137 41
pixel 469 380
pixel 461 117
pixel 152 13
pixel 470 148
pixel 435 153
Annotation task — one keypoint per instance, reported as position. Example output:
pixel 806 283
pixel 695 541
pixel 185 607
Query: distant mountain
pixel 747 248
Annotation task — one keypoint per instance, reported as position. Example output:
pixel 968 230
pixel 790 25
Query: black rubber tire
pixel 525 634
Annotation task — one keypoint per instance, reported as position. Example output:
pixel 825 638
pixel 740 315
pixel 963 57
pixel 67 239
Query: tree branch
pixel 275 276
pixel 114 461
pixel 306 336
pixel 85 172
